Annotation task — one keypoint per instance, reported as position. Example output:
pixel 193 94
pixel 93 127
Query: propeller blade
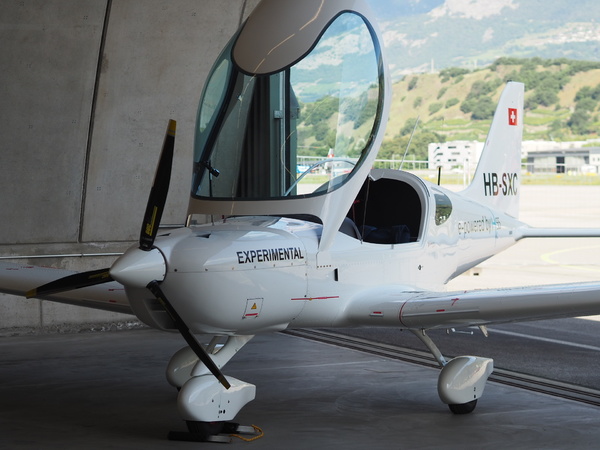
pixel 159 191
pixel 75 281
pixel 154 287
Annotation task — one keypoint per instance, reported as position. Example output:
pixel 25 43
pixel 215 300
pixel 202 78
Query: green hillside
pixel 562 102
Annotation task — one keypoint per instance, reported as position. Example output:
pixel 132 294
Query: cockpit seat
pixel 393 234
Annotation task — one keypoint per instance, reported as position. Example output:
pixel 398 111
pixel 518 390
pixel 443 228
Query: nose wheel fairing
pixel 203 399
pixel 203 403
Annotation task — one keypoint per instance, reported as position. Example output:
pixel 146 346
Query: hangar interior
pixel 88 88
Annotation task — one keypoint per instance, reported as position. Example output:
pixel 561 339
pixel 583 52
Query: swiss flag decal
pixel 512 116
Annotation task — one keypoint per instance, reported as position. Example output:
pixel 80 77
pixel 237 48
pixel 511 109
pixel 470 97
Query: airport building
pixel 574 157
pixel 454 154
pixel 561 157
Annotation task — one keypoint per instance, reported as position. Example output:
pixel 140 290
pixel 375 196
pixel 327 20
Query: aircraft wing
pixel 17 279
pixel 426 310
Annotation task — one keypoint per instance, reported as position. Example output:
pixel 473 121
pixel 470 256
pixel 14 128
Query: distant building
pixel 561 157
pixel 455 154
pixel 538 156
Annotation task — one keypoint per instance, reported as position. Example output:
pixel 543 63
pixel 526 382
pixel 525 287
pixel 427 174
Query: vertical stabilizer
pixel 497 178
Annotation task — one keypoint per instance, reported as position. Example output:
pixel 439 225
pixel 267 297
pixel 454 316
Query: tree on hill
pixel 586 100
pixel 580 122
pixel 478 108
pixel 588 92
pixel 478 102
pixel 452 72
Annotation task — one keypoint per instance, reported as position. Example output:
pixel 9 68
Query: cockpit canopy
pixel 292 115
pixel 300 130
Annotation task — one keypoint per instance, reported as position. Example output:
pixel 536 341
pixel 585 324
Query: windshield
pixel 301 131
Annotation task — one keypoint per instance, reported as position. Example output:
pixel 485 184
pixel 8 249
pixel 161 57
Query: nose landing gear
pixel 203 402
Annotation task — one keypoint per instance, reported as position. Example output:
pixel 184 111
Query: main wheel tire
pixel 205 429
pixel 463 408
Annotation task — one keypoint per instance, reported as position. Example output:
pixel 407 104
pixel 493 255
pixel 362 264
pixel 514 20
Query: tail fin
pixel 497 178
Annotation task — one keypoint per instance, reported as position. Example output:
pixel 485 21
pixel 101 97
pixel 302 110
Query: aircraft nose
pixel 137 268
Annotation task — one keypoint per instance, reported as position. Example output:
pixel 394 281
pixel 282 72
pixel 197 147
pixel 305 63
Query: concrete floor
pixel 107 390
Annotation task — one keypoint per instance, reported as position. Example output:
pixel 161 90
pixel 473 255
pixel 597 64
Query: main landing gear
pixel 462 380
pixel 205 405
pixel 208 408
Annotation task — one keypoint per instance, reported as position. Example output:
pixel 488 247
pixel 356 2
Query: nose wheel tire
pixel 464 408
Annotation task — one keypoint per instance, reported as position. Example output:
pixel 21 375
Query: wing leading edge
pixel 17 279
pixel 428 310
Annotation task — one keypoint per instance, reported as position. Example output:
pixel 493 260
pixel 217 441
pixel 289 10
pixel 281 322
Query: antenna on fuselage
pixel 409 141
pixel 364 218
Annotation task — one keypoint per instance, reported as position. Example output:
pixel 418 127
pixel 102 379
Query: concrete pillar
pixel 87 89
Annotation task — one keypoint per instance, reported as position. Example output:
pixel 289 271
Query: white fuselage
pixel 248 275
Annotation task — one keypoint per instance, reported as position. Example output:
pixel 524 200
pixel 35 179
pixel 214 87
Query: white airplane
pixel 265 250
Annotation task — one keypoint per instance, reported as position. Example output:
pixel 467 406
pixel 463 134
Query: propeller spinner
pixel 144 266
